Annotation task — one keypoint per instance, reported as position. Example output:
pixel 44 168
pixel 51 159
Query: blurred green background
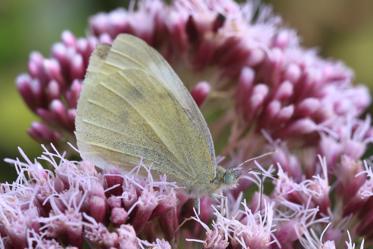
pixel 341 29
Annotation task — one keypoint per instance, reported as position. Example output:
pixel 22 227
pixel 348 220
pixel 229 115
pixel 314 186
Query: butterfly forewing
pixel 134 106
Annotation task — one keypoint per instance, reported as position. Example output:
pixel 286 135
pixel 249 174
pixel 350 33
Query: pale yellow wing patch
pixel 129 121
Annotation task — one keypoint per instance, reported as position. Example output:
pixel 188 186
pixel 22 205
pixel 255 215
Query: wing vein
pixel 102 106
pixel 134 86
pixel 102 146
pixel 124 135
pixel 126 56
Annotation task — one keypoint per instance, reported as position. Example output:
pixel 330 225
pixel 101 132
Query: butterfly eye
pixel 230 177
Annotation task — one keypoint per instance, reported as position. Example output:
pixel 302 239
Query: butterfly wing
pixel 126 111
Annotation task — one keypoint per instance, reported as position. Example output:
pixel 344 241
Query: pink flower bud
pixel 59 52
pixel 35 66
pixel 73 93
pixel 42 133
pixel 77 69
pixel 53 90
pixel 25 89
pixel 168 222
pixel 145 206
pixel 53 70
pixel 256 56
pixel 118 216
pixel 129 196
pixel 68 38
pixel 97 208
pixel 200 92
pixel 244 87
pixel 284 39
pixel 259 94
pixel 307 107
pixel 284 114
pixel 302 126
pixel 284 91
pixel 114 202
pixel 59 112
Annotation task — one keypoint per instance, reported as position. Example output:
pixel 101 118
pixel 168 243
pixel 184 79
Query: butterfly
pixel 134 106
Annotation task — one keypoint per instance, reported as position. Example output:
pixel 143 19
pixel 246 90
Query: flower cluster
pixel 237 55
pixel 70 203
pixel 269 92
pixel 75 203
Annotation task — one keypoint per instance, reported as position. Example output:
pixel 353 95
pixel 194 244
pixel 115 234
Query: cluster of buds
pixel 52 86
pixel 314 192
pixel 239 55
pixel 75 204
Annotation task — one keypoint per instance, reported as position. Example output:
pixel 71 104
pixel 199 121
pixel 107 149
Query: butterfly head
pixel 225 177
pixel 231 177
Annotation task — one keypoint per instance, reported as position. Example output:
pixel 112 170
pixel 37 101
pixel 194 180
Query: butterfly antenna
pixel 197 205
pixel 255 158
pixel 261 191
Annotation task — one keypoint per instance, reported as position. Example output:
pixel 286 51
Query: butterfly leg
pixel 197 205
